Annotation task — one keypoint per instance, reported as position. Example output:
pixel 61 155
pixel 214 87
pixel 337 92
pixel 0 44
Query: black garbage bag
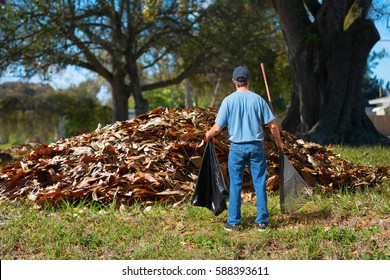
pixel 210 190
pixel 294 192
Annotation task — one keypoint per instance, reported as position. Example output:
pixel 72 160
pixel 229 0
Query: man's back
pixel 244 112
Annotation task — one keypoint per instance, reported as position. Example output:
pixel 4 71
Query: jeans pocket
pixel 257 154
pixel 235 154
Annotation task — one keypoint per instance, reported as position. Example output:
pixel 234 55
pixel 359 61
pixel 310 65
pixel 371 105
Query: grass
pixel 345 225
pixel 369 156
pixel 5 146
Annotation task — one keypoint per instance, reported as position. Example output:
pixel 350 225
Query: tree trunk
pixel 122 91
pixel 188 97
pixel 213 103
pixel 120 98
pixel 328 58
pixel 141 104
pixel 5 127
pixel 60 128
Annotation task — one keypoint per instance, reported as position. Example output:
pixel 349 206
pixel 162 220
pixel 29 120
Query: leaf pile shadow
pixel 156 157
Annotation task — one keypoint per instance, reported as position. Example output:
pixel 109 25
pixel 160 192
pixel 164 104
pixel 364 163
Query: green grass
pixel 344 225
pixel 5 146
pixel 369 156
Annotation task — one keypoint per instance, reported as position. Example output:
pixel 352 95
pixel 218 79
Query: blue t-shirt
pixel 244 113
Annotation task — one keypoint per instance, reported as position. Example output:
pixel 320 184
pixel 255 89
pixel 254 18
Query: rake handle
pixel 266 87
pixel 270 103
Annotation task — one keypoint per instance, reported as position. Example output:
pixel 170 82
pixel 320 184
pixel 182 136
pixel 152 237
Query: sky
pixel 72 76
pixel 382 71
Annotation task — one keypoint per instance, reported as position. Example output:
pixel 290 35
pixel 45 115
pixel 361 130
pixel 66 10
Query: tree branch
pixel 95 63
pixel 187 72
pixel 95 38
pixel 156 60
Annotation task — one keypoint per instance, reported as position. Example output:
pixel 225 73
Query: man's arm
pixel 214 131
pixel 276 133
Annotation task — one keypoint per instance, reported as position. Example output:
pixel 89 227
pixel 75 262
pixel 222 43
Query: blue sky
pixel 382 71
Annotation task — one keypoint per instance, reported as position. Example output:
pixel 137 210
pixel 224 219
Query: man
pixel 244 112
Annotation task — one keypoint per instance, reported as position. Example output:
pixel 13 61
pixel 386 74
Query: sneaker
pixel 231 227
pixel 262 227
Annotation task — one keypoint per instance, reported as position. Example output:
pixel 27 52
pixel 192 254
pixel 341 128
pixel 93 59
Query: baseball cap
pixel 241 74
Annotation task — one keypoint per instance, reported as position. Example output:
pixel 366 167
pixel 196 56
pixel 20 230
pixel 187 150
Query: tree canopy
pixel 122 41
pixel 139 45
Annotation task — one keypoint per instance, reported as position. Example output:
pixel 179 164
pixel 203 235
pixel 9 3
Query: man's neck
pixel 242 89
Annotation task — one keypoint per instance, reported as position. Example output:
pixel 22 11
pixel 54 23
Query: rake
pixel 293 188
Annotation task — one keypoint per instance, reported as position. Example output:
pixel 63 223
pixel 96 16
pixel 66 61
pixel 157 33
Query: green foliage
pixel 38 113
pixel 83 115
pixel 169 97
pixel 84 112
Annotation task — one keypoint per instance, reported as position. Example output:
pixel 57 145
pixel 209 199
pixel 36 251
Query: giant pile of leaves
pixel 156 157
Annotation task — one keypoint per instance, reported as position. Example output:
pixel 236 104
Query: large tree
pixel 328 45
pixel 120 40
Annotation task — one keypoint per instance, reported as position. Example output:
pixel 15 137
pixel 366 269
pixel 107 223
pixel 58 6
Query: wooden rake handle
pixel 266 87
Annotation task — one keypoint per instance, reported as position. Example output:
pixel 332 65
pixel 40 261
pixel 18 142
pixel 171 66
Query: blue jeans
pixel 240 154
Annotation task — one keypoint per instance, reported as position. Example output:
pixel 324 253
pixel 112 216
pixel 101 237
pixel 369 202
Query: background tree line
pixel 38 113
